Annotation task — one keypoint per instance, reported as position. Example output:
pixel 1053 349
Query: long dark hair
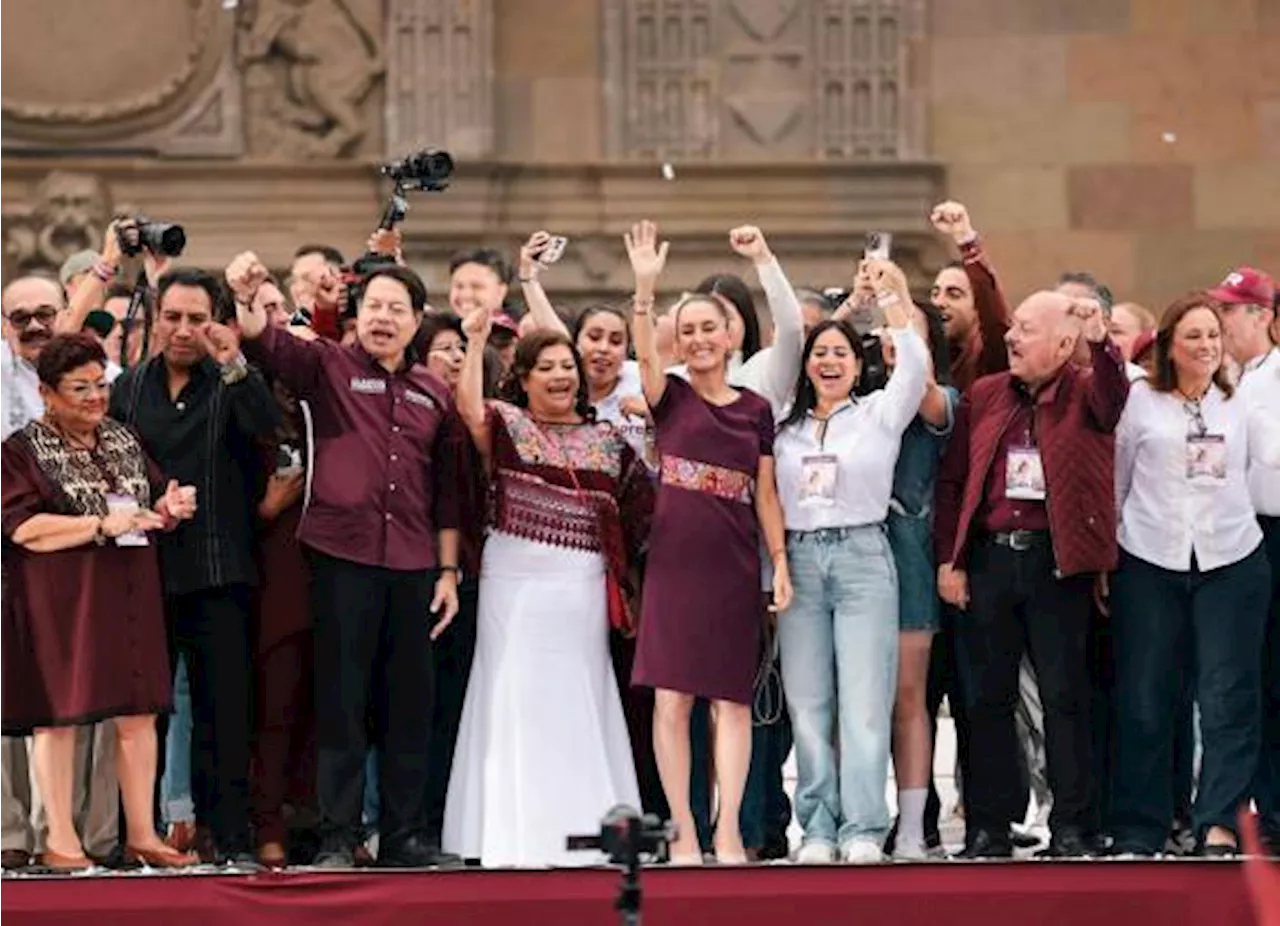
pixel 939 349
pixel 602 309
pixel 806 396
pixel 528 349
pixel 1164 377
pixel 734 289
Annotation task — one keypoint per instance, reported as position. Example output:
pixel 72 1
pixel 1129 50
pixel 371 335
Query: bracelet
pixel 98 536
pixel 532 278
pixel 235 371
pixel 457 571
pixel 641 306
pixel 103 271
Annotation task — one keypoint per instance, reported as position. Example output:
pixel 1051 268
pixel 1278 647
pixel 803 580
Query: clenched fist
pixel 245 274
pixel 749 241
pixel 952 218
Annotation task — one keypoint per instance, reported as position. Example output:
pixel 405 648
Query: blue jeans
pixel 839 642
pixel 372 803
pixel 1167 624
pixel 176 804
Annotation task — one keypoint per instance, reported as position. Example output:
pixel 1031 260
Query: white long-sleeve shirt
pixel 19 392
pixel 1166 515
pixel 1260 385
pixel 861 439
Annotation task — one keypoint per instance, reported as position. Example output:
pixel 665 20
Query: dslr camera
pixel 164 239
pixel 429 170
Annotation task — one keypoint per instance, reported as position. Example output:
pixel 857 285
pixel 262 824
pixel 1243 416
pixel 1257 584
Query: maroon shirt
pixel 1001 514
pixel 1076 416
pixel 983 351
pixel 387 451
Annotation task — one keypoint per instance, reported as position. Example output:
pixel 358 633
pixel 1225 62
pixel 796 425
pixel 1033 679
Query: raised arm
pixel 297 363
pixel 952 219
pixel 647 260
pixel 535 297
pixel 906 388
pixel 1108 386
pixel 88 296
pixel 470 396
pixel 782 364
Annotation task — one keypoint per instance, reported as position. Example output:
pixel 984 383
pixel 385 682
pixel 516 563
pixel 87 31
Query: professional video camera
pixel 428 170
pixel 625 836
pixel 164 239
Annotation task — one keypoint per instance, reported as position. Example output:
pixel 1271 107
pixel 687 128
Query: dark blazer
pixel 1076 416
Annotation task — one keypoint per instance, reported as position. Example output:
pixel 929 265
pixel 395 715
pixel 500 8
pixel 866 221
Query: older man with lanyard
pixel 381 529
pixel 1025 519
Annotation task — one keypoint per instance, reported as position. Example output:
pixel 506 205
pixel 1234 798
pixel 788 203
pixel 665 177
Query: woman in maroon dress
pixel 701 620
pixel 83 617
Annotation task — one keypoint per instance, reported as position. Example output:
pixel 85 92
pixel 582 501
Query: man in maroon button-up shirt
pixel 1025 519
pixel 381 526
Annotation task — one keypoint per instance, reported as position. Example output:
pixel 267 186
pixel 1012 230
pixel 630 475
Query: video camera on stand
pixel 625 836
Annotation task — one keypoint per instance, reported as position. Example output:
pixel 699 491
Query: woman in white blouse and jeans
pixel 1192 588
pixel 839 639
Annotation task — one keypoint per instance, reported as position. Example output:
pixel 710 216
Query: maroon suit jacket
pixel 1076 416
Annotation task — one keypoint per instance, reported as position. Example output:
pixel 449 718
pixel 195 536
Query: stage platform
pixel 1107 893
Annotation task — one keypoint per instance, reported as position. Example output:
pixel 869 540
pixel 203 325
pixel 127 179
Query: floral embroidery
pixel 587 447
pixel 696 476
pixel 84 477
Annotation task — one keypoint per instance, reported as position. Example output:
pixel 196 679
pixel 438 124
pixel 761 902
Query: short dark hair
pixel 403 275
pixel 485 257
pixel 221 305
pixel 1085 278
pixel 528 349
pixel 66 352
pixel 331 254
pixel 433 323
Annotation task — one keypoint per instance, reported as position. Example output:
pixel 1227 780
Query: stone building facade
pixel 1139 139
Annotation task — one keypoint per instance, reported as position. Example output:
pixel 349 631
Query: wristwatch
pixel 235 371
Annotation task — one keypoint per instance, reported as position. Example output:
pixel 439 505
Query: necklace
pixel 68 438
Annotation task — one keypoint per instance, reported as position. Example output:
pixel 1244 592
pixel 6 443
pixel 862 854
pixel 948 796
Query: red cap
pixel 1142 345
pixel 1245 286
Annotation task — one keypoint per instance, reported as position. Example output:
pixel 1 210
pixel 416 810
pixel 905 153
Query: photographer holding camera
pixel 382 531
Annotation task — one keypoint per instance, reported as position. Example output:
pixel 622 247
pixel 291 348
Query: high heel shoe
pixel 164 857
pixel 56 861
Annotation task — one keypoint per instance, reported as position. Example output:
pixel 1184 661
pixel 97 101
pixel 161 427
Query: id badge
pixel 1206 459
pixel 818 480
pixel 1024 475
pixel 126 504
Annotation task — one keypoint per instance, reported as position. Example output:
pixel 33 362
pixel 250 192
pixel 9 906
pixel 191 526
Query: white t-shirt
pixel 610 407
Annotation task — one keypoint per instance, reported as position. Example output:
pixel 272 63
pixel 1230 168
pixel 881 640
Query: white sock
pixel 911 815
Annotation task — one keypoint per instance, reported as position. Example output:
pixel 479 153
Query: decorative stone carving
pixel 92 72
pixel 757 79
pixel 309 66
pixel 67 214
pixel 440 76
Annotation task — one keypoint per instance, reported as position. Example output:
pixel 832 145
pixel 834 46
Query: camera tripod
pixel 625 836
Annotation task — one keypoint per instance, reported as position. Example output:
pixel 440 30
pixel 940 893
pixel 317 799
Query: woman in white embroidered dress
pixel 543 750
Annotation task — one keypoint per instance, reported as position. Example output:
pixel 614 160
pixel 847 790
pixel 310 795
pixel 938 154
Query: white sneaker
pixel 862 852
pixel 816 853
pixel 909 851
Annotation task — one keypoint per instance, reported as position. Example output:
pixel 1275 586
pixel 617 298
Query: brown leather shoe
pixel 164 857
pixel 12 859
pixel 56 861
pixel 181 835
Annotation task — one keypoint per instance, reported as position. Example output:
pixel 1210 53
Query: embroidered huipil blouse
pixel 604 506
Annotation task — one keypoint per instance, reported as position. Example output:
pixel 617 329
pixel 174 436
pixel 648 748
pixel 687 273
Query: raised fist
pixel 749 241
pixel 244 275
pixel 952 218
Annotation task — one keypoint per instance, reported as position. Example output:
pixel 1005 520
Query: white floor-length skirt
pixel 542 750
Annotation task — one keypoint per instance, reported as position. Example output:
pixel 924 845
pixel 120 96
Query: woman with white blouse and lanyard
pixel 839 639
pixel 1192 587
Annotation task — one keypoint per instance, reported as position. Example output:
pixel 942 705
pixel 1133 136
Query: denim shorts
pixel 911 539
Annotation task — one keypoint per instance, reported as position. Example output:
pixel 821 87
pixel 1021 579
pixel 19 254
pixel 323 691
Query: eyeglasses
pixel 458 348
pixel 21 318
pixel 81 392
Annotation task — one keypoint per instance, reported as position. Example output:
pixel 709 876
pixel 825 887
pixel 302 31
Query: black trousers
pixel 373 662
pixel 453 654
pixel 210 629
pixel 944 681
pixel 1017 605
pixel 1267 788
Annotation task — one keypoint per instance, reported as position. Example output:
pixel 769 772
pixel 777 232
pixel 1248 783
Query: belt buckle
pixel 1020 541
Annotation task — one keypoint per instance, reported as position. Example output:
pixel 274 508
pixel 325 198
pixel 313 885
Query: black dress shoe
pixel 335 852
pixel 1070 844
pixel 13 859
pixel 1023 840
pixel 414 852
pixel 242 860
pixel 985 844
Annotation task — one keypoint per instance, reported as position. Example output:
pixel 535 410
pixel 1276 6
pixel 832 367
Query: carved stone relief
pixel 90 71
pixel 440 76
pixel 67 214
pixel 309 68
pixel 759 79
